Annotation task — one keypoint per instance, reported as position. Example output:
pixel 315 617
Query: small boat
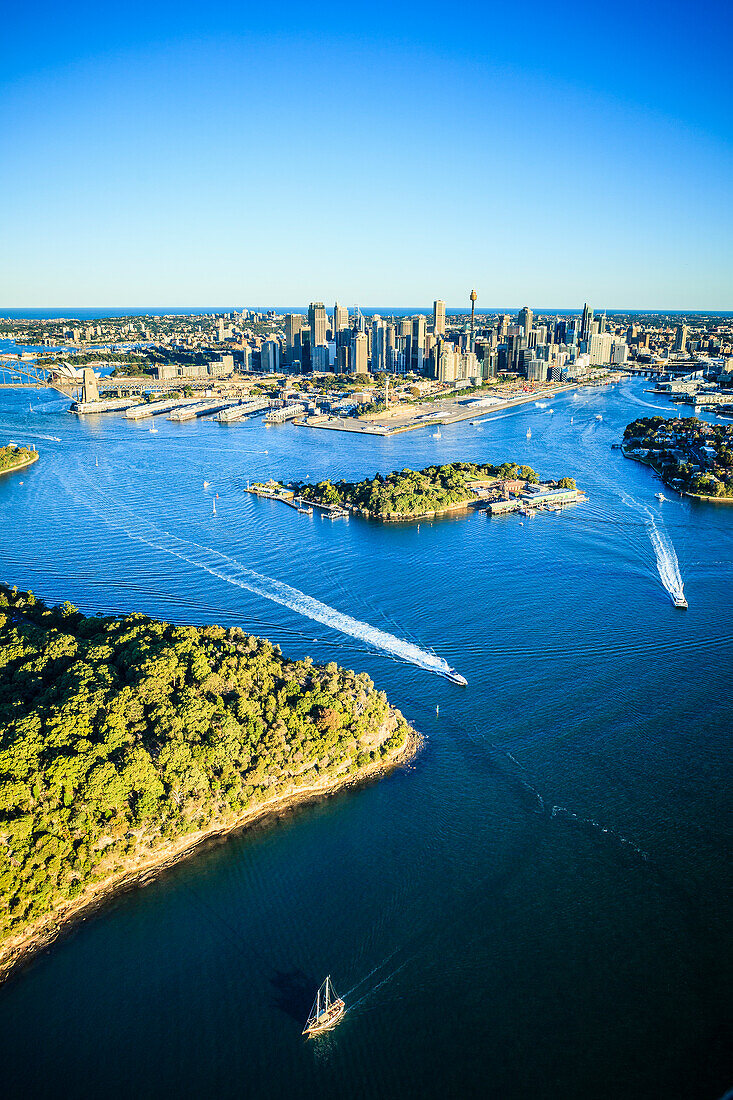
pixel 153 431
pixel 680 601
pixel 213 510
pixel 571 419
pixel 437 435
pixel 660 496
pixel 206 484
pixel 598 416
pixel 328 1009
pixel 456 677
pixel 529 433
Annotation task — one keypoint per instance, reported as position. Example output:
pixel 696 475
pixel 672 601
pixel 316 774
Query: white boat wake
pixel 233 572
pixel 668 566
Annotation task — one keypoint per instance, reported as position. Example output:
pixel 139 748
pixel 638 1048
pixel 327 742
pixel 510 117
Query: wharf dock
pixel 239 412
pixel 155 408
pixel 196 411
pixel 286 496
pixel 287 412
pixel 104 405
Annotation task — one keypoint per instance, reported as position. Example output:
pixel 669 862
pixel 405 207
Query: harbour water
pixel 539 906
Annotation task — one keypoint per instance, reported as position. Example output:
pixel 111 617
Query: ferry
pixel 456 677
pixel 328 1010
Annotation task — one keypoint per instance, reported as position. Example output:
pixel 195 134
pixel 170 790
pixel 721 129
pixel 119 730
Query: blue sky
pixel 174 154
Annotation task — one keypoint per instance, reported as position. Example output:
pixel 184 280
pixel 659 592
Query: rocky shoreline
pixel 19 949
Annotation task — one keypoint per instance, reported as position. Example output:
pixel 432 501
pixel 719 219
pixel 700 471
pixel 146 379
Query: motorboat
pixel 456 677
pixel 680 601
pixel 660 496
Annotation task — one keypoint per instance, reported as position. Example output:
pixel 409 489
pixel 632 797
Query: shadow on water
pixel 293 993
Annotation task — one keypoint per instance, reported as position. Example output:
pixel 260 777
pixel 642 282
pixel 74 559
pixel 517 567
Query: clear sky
pixel 384 153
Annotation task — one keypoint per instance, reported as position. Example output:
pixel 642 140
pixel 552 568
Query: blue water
pixel 540 904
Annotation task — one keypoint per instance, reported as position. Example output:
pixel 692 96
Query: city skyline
pixel 183 155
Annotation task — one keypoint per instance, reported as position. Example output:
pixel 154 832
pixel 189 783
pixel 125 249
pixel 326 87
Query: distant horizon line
pixel 64 312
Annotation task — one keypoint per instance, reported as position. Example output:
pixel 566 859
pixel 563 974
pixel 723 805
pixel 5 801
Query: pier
pixel 199 409
pixel 238 412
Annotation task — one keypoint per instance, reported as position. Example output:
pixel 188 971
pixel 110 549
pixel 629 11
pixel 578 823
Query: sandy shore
pixel 20 948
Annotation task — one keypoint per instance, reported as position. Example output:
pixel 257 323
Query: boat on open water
pixel 328 1010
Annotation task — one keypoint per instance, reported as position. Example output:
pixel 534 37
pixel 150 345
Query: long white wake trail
pixel 668 566
pixel 233 572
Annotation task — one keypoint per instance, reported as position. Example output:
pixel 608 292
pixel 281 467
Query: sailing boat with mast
pixel 328 1008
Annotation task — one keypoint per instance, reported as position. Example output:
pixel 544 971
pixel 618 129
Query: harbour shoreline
pixel 20 950
pixel 21 465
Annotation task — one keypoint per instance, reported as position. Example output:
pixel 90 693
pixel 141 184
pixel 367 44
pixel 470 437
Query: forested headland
pixel 13 457
pixel 125 740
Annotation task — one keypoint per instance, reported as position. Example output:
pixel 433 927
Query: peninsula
pixel 125 742
pixel 417 494
pixel 691 456
pixel 14 457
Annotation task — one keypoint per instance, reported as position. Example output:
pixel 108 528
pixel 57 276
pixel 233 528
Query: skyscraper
pixel 417 344
pixel 524 318
pixel 359 354
pixel 379 344
pixel 317 322
pixel 293 325
pixel 586 322
pixel 438 317
pixel 340 318
pixel 680 338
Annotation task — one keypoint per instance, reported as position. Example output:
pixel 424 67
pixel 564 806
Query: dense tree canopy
pixel 12 456
pixel 691 454
pixel 118 735
pixel 413 492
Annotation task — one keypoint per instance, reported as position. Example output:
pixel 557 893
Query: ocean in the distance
pixel 540 906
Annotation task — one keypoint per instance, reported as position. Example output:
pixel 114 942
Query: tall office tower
pixel 502 324
pixel 586 322
pixel 404 327
pixel 525 318
pixel 293 324
pixel 389 346
pixel 340 318
pixel 561 328
pixel 317 322
pixel 602 327
pixel 601 344
pixel 473 297
pixel 379 344
pixel 680 338
pixel 320 358
pixel 342 359
pixel 359 352
pixel 438 317
pixel 359 323
pixel 303 348
pixel 417 343
pixel 270 353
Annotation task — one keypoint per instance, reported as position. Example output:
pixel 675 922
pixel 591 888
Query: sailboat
pixel 436 435
pixel 328 1008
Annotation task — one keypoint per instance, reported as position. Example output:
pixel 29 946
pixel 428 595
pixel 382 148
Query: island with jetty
pixel 422 494
pixel 125 742
pixel 690 456
pixel 14 457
